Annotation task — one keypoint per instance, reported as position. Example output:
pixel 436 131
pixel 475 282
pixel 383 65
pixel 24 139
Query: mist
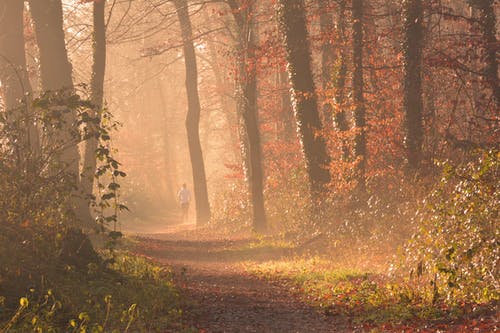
pixel 257 166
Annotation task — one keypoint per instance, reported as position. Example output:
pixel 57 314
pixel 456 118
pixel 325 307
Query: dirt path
pixel 227 299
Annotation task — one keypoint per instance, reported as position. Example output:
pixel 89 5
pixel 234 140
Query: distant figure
pixel 184 199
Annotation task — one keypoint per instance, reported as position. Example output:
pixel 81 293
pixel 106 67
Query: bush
pixel 231 212
pixel 455 252
pixel 51 278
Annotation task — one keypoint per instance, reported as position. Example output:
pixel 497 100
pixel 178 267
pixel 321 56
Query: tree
pixel 287 121
pixel 292 21
pixel 339 84
pixel 56 77
pixel 96 98
pixel 412 81
pixel 193 115
pixel 247 107
pixel 327 56
pixel 13 72
pixel 358 94
pixel 487 23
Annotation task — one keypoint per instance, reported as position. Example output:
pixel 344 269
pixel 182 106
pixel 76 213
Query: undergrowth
pixel 45 292
pixel 360 299
pixel 51 277
pixel 424 255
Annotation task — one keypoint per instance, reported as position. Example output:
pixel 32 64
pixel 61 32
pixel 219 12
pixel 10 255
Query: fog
pixel 145 91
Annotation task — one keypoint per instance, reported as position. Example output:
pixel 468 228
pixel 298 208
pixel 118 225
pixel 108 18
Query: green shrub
pixel 455 252
pixel 51 278
pixel 133 295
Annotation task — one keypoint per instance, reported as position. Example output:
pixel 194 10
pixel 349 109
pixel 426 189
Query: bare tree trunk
pixel 251 123
pixel 96 98
pixel 193 115
pixel 487 22
pixel 358 94
pixel 292 20
pixel 340 81
pixel 327 58
pixel 412 70
pixel 55 67
pixel 56 76
pixel 289 132
pixel 247 105
pixel 14 75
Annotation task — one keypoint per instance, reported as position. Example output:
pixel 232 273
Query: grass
pixel 359 298
pixel 122 293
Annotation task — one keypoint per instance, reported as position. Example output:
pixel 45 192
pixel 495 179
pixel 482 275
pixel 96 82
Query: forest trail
pixel 226 298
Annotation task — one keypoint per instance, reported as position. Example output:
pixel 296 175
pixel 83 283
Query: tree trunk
pixel 487 22
pixel 55 67
pixel 327 58
pixel 193 115
pixel 247 106
pixel 292 20
pixel 56 76
pixel 412 70
pixel 358 95
pixel 96 98
pixel 14 75
pixel 288 125
pixel 251 124
pixel 339 84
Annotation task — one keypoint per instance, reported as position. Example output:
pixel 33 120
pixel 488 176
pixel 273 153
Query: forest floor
pixel 230 289
pixel 226 298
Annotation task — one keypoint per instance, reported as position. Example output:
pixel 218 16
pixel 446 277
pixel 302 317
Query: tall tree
pixel 287 121
pixel 193 115
pixel 13 72
pixel 358 94
pixel 327 56
pixel 56 76
pixel 96 98
pixel 412 71
pixel 292 21
pixel 340 118
pixel 487 23
pixel 247 106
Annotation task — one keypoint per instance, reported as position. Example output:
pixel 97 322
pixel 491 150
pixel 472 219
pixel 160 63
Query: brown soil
pixel 226 298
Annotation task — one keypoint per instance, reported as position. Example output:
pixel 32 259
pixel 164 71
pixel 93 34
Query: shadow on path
pixel 213 251
pixel 226 298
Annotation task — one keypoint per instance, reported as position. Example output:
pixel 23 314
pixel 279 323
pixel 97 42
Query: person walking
pixel 184 197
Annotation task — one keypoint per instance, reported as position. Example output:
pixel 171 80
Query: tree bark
pixel 251 123
pixel 247 106
pixel 339 84
pixel 17 91
pixel 96 98
pixel 55 67
pixel 56 76
pixel 193 115
pixel 487 22
pixel 358 95
pixel 289 129
pixel 412 71
pixel 292 21
pixel 327 58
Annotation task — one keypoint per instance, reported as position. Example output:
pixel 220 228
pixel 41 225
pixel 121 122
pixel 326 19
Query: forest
pixel 264 166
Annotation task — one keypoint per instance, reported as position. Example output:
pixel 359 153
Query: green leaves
pixel 455 245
